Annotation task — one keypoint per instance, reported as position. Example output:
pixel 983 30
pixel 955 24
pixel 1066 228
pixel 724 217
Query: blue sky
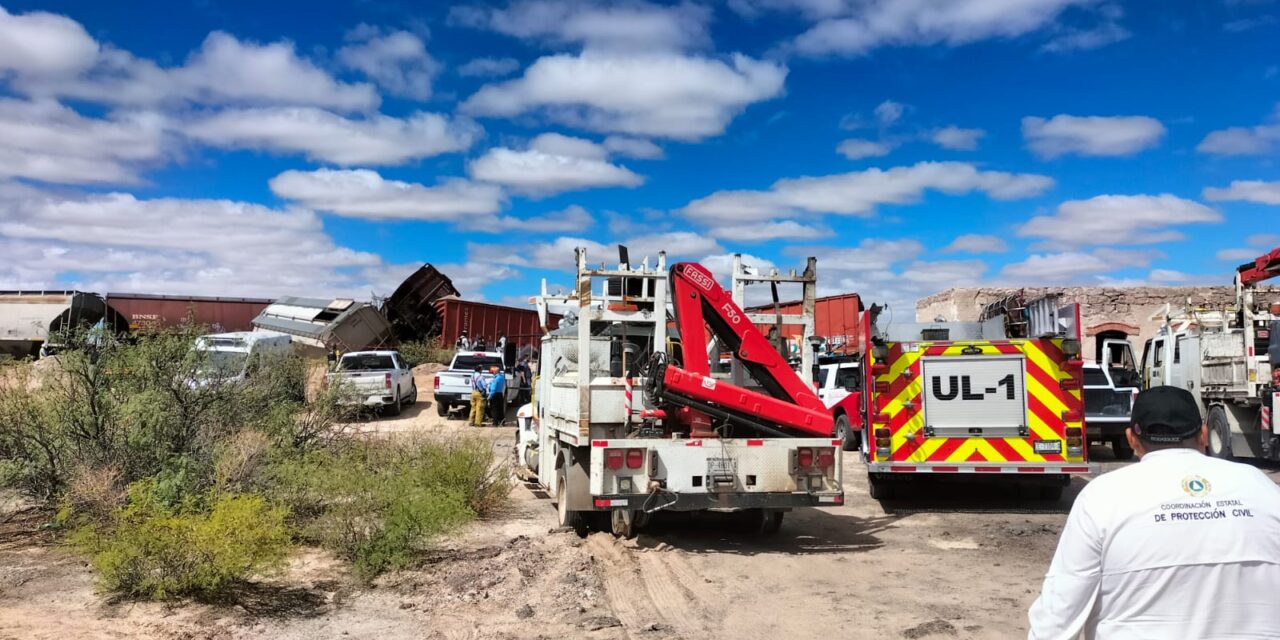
pixel 238 149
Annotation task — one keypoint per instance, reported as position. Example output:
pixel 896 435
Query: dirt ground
pixel 953 562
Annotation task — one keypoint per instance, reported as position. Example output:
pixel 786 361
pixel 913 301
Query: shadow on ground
pixel 804 532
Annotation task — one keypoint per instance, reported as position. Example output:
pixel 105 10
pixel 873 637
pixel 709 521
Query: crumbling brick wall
pixel 1133 306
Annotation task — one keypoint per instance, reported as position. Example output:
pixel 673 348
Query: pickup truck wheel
pixel 623 523
pixel 848 438
pixel 1219 434
pixel 1120 447
pixel 395 407
pixel 442 409
pixel 413 393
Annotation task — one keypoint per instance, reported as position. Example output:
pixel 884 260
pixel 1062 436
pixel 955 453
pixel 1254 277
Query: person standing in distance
pixel 479 389
pixel 1179 545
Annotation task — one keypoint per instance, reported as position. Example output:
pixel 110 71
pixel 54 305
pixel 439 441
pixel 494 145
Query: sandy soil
pixel 953 562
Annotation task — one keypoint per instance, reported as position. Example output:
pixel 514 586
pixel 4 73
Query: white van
pixel 233 357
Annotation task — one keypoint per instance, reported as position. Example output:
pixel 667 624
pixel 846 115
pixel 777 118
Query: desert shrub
pixel 424 351
pixel 156 550
pixel 379 503
pixel 239 460
pixel 93 493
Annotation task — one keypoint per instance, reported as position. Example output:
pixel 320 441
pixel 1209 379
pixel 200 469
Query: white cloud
pixel 1244 141
pixel 1246 191
pixel 568 220
pixel 860 27
pixel 633 147
pixel 654 94
pixel 632 26
pixel 396 60
pixel 365 194
pixel 858 193
pixel 225 70
pixel 761 231
pixel 1168 276
pixel 43 140
pixel 856 149
pixel 1091 135
pixel 721 265
pixel 975 243
pixel 1112 220
pixel 1106 31
pixel 558 254
pixel 170 245
pixel 957 138
pixel 1057 268
pixel 328 137
pixel 553 163
pixel 677 244
pixel 488 67
pixel 41 43
pixel 889 112
pixel 1237 255
pixel 1263 239
pixel 1258 243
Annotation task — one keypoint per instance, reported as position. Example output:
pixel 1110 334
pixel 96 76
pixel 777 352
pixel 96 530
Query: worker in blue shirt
pixel 478 391
pixel 498 396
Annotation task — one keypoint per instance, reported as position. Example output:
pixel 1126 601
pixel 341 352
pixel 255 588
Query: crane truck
pixel 1230 359
pixel 998 398
pixel 628 419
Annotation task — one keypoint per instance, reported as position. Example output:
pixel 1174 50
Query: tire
pixel 844 431
pixel 623 523
pixel 1121 449
pixel 413 393
pixel 770 522
pixel 442 409
pixel 880 489
pixel 395 408
pixel 564 516
pixel 1219 434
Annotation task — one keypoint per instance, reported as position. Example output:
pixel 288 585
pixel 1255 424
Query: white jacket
pixel 1179 545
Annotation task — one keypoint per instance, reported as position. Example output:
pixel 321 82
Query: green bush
pixel 423 351
pixel 152 549
pixel 379 503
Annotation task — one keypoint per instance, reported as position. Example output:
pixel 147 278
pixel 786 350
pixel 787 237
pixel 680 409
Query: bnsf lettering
pixel 700 279
pixel 145 316
pixel 961 387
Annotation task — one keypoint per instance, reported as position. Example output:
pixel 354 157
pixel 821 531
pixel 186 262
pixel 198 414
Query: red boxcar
pixel 836 318
pixel 492 321
pixel 143 311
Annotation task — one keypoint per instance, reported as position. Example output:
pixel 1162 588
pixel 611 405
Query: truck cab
pixel 1111 385
pixel 230 358
pixel 839 387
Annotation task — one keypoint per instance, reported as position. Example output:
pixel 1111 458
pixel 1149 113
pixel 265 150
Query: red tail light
pixel 1073 432
pixel 1072 416
pixel 1068 384
pixel 882 387
pixel 883 433
pixel 387 380
pixel 436 383
pixel 613 458
pixel 826 458
pixel 635 458
pixel 804 457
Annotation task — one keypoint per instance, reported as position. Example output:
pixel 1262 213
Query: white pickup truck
pixel 376 379
pixel 452 387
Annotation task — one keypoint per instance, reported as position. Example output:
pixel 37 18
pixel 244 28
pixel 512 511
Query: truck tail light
pixel 879 369
pixel 826 458
pixel 1073 432
pixel 387 380
pixel 1072 416
pixel 883 433
pixel 804 457
pixel 882 387
pixel 436 382
pixel 613 458
pixel 1068 384
pixel 635 458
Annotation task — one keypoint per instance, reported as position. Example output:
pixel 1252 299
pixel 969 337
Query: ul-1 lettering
pixel 962 387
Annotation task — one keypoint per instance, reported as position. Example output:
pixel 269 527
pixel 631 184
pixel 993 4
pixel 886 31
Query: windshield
pixel 1095 378
pixel 224 363
pixel 371 362
pixel 470 362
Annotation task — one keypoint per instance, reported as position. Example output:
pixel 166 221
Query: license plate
pixel 1048 446
pixel 721 466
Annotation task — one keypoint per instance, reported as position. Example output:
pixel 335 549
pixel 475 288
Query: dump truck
pixel 999 398
pixel 627 418
pixel 1230 359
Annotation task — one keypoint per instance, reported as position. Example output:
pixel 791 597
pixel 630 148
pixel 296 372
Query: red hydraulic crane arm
pixel 1263 268
pixel 700 304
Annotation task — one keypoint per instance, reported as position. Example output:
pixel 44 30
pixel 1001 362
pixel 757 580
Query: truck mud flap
pixel 726 501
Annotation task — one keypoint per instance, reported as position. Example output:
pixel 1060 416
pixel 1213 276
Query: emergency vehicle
pixel 628 419
pixel 1000 397
pixel 1230 359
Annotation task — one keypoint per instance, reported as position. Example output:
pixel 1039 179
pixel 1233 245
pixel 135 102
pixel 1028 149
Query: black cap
pixel 1166 415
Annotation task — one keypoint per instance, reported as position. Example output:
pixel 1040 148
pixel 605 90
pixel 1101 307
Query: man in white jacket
pixel 1180 545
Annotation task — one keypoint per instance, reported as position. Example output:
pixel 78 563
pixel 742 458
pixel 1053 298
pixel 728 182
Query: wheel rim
pixel 562 507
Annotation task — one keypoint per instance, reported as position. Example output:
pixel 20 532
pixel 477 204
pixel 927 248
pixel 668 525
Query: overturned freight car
pixel 411 310
pixel 342 324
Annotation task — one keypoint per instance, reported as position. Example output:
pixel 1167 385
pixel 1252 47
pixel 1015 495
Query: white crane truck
pixel 627 418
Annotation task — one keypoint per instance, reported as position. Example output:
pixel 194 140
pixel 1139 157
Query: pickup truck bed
pixel 452 387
